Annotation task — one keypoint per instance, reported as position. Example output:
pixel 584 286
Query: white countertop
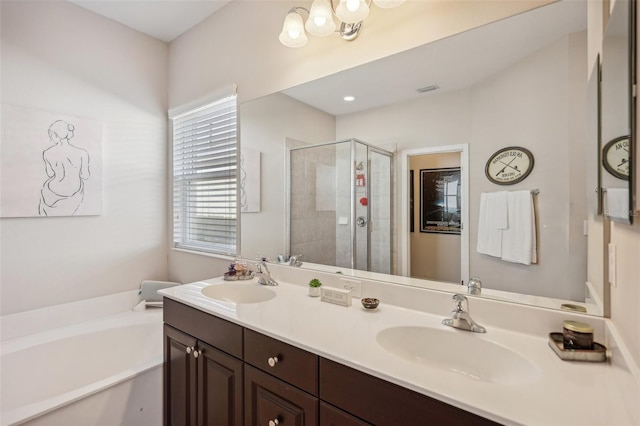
pixel 560 393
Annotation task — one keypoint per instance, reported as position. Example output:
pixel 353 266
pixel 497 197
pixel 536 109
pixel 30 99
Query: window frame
pixel 226 249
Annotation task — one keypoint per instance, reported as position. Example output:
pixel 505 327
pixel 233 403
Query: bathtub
pixel 105 369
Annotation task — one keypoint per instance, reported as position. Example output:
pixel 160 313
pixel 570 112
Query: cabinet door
pixel 331 416
pixel 219 388
pixel 179 378
pixel 269 402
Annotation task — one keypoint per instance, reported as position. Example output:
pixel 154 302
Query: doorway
pixel 435 201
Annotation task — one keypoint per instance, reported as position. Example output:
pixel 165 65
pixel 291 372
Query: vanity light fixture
pixel 320 19
pixel 349 98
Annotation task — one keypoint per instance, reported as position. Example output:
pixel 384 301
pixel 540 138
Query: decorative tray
pixel 597 354
pixel 237 277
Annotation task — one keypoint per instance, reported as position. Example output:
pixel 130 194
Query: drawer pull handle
pixel 272 363
pixel 273 422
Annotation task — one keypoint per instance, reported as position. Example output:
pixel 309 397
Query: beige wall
pixel 433 256
pixel 60 58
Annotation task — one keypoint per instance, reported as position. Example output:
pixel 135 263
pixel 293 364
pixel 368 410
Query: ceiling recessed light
pixel 349 98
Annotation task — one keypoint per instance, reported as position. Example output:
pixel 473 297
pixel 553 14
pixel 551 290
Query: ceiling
pixel 453 63
pixel 164 20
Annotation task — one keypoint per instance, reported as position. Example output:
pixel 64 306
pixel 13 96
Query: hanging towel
pixel 492 220
pixel 617 203
pixel 519 239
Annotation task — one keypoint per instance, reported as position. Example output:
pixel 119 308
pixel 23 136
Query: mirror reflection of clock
pixel 615 157
pixel 509 165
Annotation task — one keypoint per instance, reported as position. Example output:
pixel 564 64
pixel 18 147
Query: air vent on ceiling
pixel 428 88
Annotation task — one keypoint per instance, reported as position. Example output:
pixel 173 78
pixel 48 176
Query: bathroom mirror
pixel 617 150
pixel 516 82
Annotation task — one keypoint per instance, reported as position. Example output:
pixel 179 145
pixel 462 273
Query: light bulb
pixel 388 4
pixel 320 21
pixel 353 5
pixel 293 34
pixel 352 11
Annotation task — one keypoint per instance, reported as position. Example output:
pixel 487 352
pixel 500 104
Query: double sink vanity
pixel 244 354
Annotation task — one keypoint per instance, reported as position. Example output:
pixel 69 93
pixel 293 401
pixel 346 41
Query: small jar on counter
pixel 577 335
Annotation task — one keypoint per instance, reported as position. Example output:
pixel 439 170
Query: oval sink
pixel 239 293
pixel 458 352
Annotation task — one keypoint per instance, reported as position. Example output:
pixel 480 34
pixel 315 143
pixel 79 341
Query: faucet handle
pixel 459 299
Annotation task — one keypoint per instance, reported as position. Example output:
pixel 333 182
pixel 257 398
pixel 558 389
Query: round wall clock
pixel 615 157
pixel 509 165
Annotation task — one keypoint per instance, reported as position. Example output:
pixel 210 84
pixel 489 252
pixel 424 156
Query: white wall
pixel 60 58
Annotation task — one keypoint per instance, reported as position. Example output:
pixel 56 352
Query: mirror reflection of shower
pixel 340 205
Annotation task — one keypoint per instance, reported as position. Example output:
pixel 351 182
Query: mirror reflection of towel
pixel 519 239
pixel 507 226
pixel 617 203
pixel 492 220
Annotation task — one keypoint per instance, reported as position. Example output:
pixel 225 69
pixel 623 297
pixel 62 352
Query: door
pixel 219 388
pixel 179 378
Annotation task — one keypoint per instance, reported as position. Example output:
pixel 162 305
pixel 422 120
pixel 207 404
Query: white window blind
pixel 205 158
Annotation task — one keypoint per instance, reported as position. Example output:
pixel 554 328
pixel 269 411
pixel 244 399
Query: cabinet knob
pixel 196 354
pixel 273 422
pixel 272 362
pixel 189 349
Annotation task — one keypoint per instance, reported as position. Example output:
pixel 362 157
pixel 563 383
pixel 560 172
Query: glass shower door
pixel 380 212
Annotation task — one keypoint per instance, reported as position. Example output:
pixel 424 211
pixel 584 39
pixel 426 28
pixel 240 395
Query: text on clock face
pixel 506 155
pixel 622 144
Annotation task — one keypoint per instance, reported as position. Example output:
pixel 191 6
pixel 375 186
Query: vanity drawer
pixel 215 331
pixel 291 364
pixel 383 403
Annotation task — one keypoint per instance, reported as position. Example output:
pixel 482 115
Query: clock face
pixel 615 157
pixel 509 165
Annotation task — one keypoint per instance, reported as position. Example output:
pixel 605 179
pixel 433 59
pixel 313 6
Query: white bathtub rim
pixel 31 411
pixel 39 320
pixel 122 319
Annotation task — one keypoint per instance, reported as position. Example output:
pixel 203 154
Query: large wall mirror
pixel 618 113
pixel 521 81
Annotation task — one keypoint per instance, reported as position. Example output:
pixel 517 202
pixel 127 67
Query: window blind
pixel 205 169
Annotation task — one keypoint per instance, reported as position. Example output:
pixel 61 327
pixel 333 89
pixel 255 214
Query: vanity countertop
pixel 559 393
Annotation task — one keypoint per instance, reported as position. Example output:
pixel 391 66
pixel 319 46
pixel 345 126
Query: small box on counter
pixel 337 296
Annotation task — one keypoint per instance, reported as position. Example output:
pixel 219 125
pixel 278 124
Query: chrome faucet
pixel 460 317
pixel 294 260
pixel 263 273
pixel 474 286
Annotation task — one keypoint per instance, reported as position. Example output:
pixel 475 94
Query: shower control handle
pixel 361 221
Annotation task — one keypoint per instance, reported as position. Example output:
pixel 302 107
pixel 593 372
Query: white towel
pixel 492 220
pixel 519 239
pixel 617 203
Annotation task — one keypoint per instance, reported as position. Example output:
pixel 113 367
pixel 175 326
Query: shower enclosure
pixel 340 205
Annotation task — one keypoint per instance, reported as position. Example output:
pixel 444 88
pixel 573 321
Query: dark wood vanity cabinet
pixel 202 385
pixel 219 373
